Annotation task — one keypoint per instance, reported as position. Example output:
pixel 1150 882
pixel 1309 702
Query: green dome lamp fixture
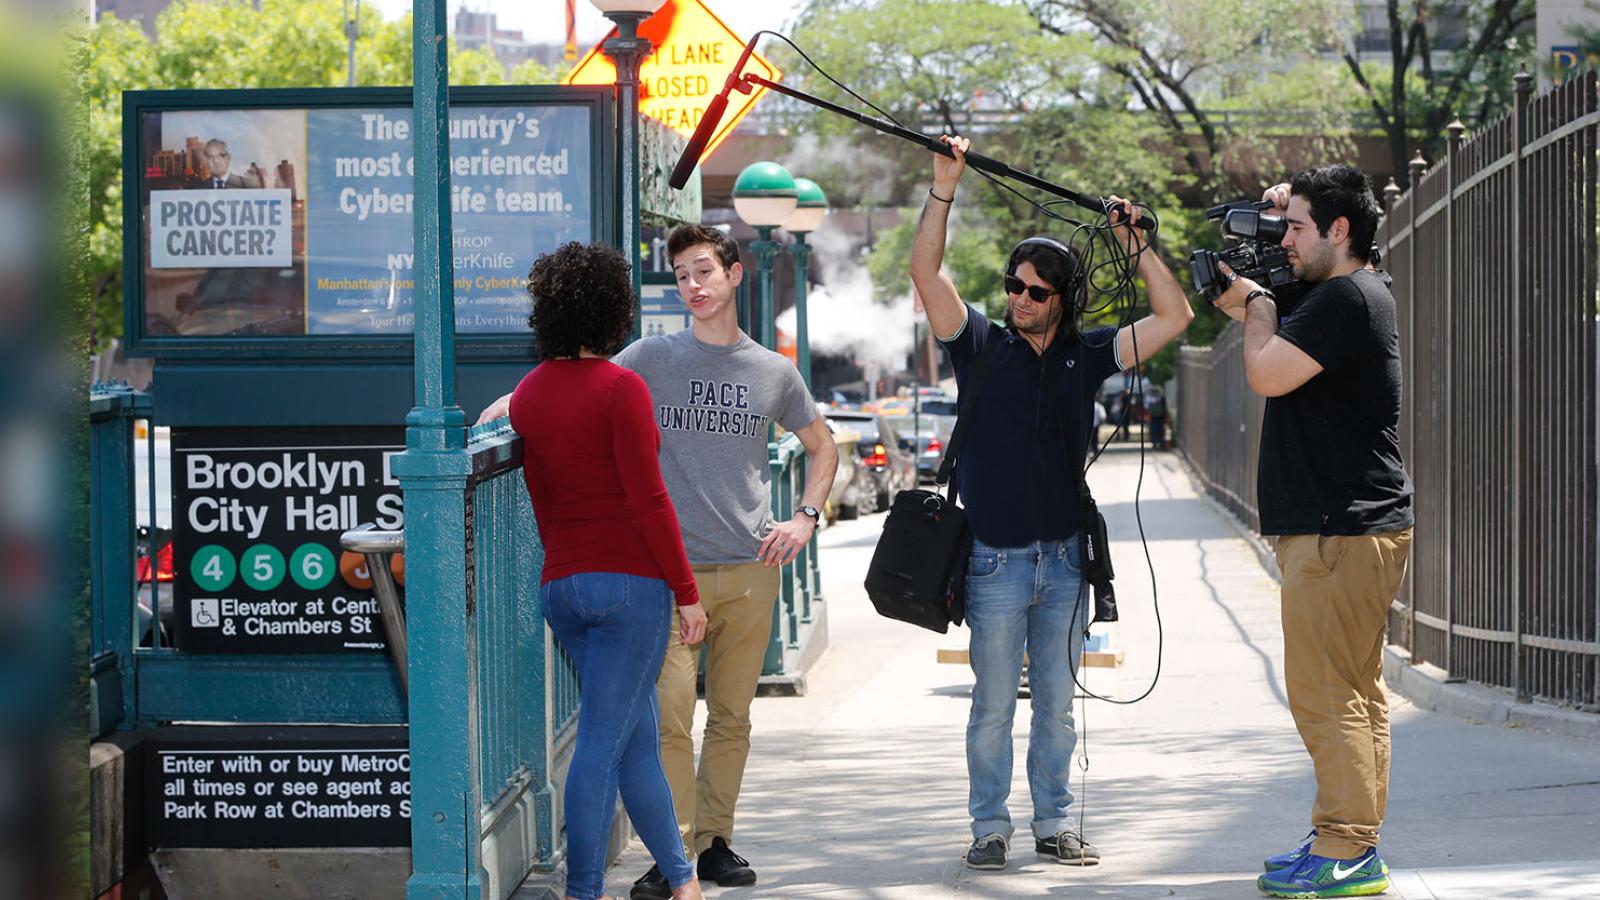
pixel 765 196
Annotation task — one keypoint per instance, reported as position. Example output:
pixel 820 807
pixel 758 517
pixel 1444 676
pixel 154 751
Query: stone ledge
pixel 1426 685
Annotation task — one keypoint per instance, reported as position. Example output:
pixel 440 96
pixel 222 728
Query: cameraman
pixel 1333 488
pixel 1018 476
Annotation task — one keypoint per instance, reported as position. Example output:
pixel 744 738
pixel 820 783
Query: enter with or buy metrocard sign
pixel 694 52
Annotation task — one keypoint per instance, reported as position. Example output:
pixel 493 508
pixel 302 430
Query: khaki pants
pixel 1336 597
pixel 738 601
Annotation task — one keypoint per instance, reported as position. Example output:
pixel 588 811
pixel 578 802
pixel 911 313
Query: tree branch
pixel 1120 35
pixel 1500 17
pixel 1419 41
pixel 1372 93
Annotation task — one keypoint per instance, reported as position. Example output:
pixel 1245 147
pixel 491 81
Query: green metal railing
pixel 527 688
pixel 113 409
pixel 800 590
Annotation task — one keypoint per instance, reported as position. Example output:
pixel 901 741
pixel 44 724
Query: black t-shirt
pixel 1330 449
pixel 1015 474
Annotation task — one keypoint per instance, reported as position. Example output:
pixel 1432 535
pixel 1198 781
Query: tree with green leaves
pixel 1048 100
pixel 1414 99
pixel 1183 61
pixel 224 44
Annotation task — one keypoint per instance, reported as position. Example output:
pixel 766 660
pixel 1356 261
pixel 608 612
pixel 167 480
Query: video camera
pixel 1257 256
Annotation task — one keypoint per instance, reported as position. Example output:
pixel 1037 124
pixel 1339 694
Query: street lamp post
pixel 627 50
pixel 765 197
pixel 352 30
pixel 811 207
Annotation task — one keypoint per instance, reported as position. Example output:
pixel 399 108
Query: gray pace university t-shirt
pixel 713 405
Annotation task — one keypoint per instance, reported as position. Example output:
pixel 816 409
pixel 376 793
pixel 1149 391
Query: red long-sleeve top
pixel 590 446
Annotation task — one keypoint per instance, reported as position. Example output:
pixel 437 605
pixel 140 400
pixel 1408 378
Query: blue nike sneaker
pixel 1290 858
pixel 1318 876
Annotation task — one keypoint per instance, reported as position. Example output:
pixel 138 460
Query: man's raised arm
pixel 946 312
pixel 1170 312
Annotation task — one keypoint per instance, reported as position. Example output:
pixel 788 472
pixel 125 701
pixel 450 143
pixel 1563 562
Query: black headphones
pixel 1073 298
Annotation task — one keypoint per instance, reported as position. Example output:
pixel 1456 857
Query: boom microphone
pixel 713 117
pixel 697 143
pixel 744 84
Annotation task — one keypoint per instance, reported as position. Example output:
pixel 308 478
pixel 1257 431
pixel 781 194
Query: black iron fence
pixel 1493 254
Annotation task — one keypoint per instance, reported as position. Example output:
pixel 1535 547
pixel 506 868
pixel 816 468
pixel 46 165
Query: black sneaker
pixel 719 864
pixel 987 852
pixel 1068 848
pixel 653 886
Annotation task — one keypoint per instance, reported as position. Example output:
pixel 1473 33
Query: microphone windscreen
pixel 697 142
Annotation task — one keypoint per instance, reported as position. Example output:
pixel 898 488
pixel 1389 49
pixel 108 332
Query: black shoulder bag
pixel 919 569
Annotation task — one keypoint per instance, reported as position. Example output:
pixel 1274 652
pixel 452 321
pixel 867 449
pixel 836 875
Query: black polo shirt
pixel 1330 449
pixel 1015 473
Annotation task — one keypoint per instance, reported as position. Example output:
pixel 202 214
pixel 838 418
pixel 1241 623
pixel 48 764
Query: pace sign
pixel 694 52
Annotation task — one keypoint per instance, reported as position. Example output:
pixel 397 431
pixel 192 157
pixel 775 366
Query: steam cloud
pixel 843 317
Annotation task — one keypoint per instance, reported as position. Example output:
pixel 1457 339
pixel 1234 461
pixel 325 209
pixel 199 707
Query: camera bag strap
pixel 969 401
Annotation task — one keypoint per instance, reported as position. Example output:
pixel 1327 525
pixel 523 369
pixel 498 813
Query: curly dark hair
pixel 1340 190
pixel 582 300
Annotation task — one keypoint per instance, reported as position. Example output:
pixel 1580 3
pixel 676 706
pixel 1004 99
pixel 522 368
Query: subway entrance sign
pixel 271 272
pixel 694 52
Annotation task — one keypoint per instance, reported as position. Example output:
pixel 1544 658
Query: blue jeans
pixel 1023 598
pixel 615 629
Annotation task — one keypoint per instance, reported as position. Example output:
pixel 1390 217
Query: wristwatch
pixel 813 512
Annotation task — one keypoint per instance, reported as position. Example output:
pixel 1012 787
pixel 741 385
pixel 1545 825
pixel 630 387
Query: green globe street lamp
pixel 627 50
pixel 765 197
pixel 809 211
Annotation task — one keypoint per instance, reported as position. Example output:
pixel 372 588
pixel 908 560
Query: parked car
pixel 930 454
pixel 883 467
pixel 844 498
pixel 153 575
pixel 838 398
pixel 932 436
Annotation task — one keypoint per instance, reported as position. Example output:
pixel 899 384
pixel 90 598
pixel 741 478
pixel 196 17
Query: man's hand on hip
pixel 784 542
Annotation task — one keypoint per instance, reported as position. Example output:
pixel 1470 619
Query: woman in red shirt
pixel 614 561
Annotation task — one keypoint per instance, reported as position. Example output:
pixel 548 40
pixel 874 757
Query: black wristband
pixel 939 198
pixel 1260 292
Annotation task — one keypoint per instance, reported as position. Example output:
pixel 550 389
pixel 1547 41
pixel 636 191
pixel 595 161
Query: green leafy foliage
pixel 1414 96
pixel 1048 93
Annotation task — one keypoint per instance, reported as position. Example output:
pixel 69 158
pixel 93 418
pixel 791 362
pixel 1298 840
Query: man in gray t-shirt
pixel 715 392
pixel 713 405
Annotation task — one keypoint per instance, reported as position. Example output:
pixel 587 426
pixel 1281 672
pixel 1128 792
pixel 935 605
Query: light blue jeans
pixel 1023 598
pixel 615 629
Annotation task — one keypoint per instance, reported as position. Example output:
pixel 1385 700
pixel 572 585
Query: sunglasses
pixel 1038 293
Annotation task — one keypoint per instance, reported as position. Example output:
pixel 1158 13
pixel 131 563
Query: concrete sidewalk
pixel 858 790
